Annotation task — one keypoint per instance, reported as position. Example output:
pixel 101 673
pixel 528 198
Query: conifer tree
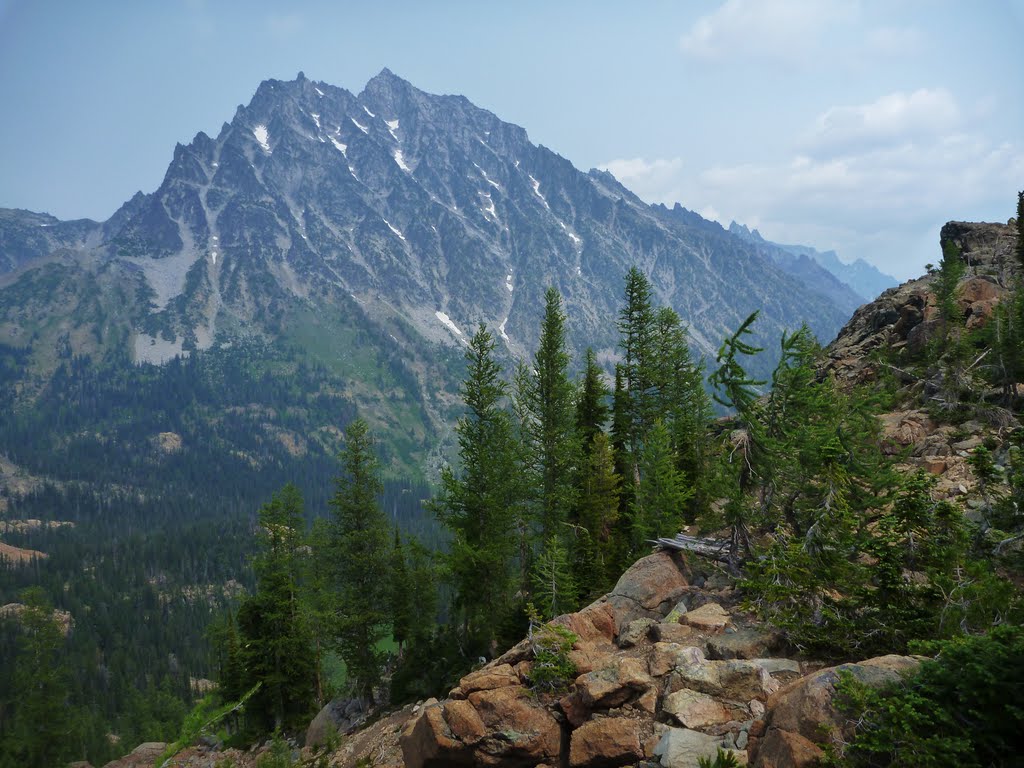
pixel 636 329
pixel 547 400
pixel 592 407
pixel 734 388
pixel 361 556
pixel 478 505
pixel 597 551
pixel 660 503
pixel 44 728
pixel 276 645
pixel 400 595
pixel 554 585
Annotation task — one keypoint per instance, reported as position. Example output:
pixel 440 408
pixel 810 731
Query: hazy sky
pixel 859 126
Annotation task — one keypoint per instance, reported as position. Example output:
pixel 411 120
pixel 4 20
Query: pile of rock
pixel 668 672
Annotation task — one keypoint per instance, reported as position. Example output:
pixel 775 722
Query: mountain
pixel 361 238
pixel 864 279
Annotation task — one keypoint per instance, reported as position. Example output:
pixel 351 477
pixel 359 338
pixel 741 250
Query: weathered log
pixel 716 549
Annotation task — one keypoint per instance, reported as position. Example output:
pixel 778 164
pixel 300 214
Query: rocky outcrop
pixel 906 315
pixel 639 699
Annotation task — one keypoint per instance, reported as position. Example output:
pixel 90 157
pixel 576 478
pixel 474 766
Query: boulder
pixel 668 656
pixel 683 748
pixel 649 588
pixel 325 725
pixel 710 617
pixel 428 741
pixel 490 677
pixel 695 710
pixel 805 705
pixel 619 681
pixel 464 722
pixel 635 632
pixel 518 726
pixel 733 679
pixel 606 742
pixel 593 624
pixel 743 644
pixel 783 749
pixel 665 632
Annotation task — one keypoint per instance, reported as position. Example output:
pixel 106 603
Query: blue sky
pixel 859 126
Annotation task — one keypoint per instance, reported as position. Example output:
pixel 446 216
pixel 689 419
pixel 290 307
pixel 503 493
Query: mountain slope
pixel 863 279
pixel 367 235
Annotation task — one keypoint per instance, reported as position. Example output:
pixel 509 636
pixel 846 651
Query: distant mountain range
pixel 866 281
pixel 365 237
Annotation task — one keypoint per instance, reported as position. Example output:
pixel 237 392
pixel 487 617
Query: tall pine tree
pixel 478 503
pixel 361 556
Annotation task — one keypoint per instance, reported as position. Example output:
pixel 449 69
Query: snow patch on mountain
pixel 362 128
pixel 400 160
pixel 391 226
pixel 448 322
pixel 260 132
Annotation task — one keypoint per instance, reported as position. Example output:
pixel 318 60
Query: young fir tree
pixel 734 388
pixel 660 503
pixel 554 584
pixel 478 505
pixel 546 398
pixel 360 552
pixel 400 595
pixel 597 551
pixel 276 644
pixel 683 405
pixel 592 407
pixel 636 329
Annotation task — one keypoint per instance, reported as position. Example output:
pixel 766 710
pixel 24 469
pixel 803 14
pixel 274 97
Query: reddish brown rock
pixel 782 749
pixel 528 731
pixel 710 617
pixel 593 624
pixel 649 589
pixel 805 705
pixel 613 684
pixel 464 722
pixel 491 676
pixel 605 743
pixel 428 742
pixel 695 710
pixel 671 632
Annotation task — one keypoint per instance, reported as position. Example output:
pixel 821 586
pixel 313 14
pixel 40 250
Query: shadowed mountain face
pixel 386 224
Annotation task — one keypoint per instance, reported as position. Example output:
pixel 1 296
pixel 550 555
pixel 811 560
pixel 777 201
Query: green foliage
pixel 204 718
pixel 721 760
pixel 546 398
pixel 733 387
pixel 480 506
pixel 659 505
pixel 359 551
pixel 595 548
pixel 552 670
pixel 280 755
pixel 44 730
pixel 554 586
pixel 276 645
pixel 962 709
pixel 1019 246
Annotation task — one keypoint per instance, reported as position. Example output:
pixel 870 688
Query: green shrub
pixel 963 709
pixel 552 668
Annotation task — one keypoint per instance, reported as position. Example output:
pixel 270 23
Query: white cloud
pixel 659 179
pixel 882 178
pixel 782 30
pixel 895 117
